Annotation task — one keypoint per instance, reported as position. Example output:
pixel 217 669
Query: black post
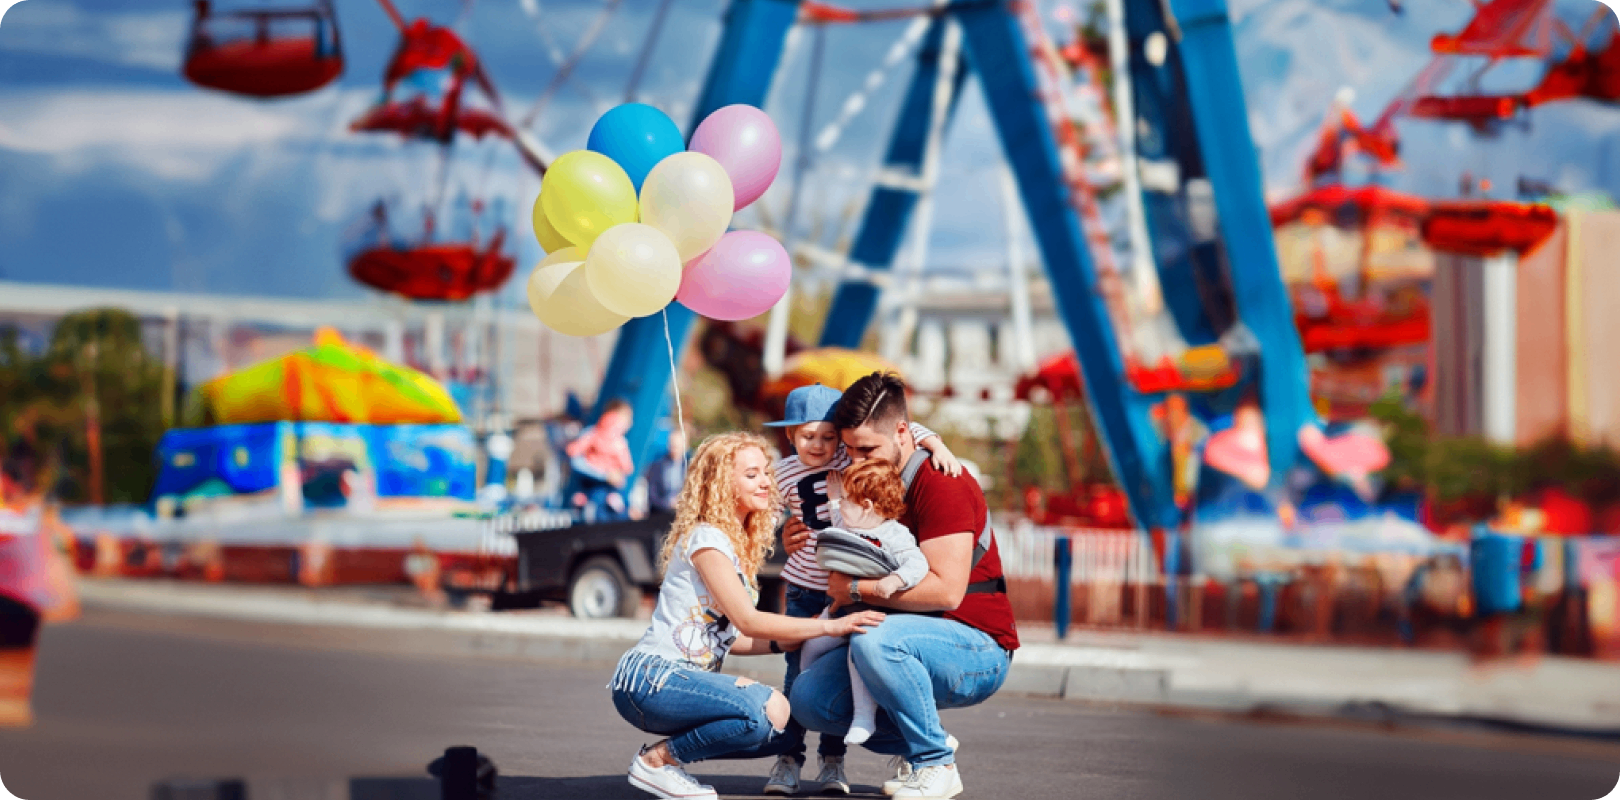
pixel 459 780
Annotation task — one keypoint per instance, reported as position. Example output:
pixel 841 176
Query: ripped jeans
pixel 706 715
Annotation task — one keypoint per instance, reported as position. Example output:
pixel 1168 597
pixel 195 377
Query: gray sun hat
pixel 838 550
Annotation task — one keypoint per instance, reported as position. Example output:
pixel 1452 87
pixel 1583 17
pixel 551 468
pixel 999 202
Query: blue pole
pixel 1064 558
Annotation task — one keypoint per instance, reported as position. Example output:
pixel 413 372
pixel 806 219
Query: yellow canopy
pixel 828 366
pixel 333 381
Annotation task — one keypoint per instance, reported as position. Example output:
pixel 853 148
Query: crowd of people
pixel 896 603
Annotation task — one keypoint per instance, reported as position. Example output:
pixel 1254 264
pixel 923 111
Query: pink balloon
pixel 744 140
pixel 742 276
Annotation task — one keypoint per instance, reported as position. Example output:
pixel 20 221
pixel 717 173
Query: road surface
pixel 126 700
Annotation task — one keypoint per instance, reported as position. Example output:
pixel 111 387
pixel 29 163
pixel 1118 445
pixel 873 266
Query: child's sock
pixel 864 721
pixel 860 730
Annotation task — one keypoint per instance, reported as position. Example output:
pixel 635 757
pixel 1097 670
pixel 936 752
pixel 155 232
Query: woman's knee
pixel 777 711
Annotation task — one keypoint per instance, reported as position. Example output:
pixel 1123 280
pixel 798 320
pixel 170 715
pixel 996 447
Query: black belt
pixel 992 586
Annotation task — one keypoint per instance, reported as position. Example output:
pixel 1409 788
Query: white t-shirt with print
pixel 687 624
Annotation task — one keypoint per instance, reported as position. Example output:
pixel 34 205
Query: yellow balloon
pixel 688 197
pixel 633 269
pixel 550 240
pixel 559 296
pixel 585 193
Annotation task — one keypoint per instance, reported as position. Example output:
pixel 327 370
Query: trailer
pixel 600 570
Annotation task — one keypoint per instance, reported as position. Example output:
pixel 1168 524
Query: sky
pixel 116 172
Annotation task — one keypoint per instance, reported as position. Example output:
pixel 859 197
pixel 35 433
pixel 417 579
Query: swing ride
pixel 435 91
pixel 267 52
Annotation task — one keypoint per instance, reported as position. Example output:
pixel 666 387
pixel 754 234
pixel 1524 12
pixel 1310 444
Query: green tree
pixel 95 376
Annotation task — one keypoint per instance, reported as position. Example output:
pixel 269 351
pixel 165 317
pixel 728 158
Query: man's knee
pixel 878 644
pixel 820 698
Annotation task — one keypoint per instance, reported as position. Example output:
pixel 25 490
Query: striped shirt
pixel 804 492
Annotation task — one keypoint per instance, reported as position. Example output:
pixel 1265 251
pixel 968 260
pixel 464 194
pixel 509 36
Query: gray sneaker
pixel 902 768
pixel 832 778
pixel 784 776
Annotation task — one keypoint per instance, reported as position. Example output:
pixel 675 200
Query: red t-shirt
pixel 939 505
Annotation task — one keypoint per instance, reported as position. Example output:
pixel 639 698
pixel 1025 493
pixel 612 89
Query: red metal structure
pixel 271 52
pixel 1514 29
pixel 1488 228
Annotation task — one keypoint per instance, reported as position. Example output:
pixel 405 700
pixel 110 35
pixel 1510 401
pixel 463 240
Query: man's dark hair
pixel 878 398
pixel 615 404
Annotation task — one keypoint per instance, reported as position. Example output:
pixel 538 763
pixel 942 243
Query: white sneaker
pixel 670 783
pixel 832 778
pixel 939 782
pixel 784 776
pixel 902 768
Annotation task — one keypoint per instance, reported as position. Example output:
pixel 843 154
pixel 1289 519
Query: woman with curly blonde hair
pixel 668 684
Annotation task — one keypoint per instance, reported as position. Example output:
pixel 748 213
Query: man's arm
pixel 950 559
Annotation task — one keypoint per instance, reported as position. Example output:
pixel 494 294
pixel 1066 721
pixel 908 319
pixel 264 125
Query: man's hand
pixel 795 534
pixel 838 589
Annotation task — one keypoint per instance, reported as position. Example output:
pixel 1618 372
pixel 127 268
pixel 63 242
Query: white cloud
pixel 179 135
pixel 148 39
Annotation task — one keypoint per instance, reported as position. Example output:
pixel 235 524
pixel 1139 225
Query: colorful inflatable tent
pixel 333 381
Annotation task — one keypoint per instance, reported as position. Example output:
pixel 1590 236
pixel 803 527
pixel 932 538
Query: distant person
pixel 806 499
pixel 669 683
pixel 601 459
pixel 665 476
pixel 25 589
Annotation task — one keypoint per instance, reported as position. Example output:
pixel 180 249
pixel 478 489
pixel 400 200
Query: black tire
pixel 599 589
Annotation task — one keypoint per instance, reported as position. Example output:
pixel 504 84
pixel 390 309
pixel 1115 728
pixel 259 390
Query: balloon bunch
pixel 639 218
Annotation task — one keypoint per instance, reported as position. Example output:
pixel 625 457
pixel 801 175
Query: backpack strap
pixel 914 465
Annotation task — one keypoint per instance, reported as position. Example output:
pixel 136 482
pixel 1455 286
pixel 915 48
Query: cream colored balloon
pixel 688 197
pixel 559 296
pixel 633 269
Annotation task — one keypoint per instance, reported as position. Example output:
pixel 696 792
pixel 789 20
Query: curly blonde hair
pixel 710 496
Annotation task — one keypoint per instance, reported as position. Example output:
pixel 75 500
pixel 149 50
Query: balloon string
pixel 675 384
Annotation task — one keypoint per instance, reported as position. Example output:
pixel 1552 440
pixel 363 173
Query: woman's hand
pixel 857 622
pixel 794 535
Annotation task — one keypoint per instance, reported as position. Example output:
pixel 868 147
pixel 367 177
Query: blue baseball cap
pixel 812 403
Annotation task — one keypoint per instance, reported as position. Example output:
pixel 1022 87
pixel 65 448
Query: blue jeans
pixel 805 604
pixel 914 666
pixel 706 715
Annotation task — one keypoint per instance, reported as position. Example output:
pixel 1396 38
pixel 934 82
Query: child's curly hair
pixel 710 496
pixel 878 482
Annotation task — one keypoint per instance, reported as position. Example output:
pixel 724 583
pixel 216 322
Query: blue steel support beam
pixel 1215 90
pixel 883 226
pixel 1000 55
pixel 749 52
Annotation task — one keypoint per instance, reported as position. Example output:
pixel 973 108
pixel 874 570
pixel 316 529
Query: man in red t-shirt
pixel 950 643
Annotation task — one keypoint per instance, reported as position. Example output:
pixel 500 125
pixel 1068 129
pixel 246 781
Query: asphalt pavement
pixel 127 699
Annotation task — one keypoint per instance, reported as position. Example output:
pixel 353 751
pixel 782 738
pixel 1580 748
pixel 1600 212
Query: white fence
pixel 1100 555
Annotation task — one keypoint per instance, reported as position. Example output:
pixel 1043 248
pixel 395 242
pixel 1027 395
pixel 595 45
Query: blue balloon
pixel 636 136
